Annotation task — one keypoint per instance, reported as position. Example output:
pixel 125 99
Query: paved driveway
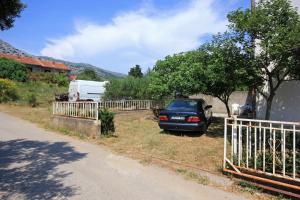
pixel 39 164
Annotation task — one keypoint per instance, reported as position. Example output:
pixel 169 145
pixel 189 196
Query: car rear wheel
pixel 204 129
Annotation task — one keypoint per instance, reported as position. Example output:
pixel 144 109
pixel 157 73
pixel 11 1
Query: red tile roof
pixel 36 61
pixel 72 77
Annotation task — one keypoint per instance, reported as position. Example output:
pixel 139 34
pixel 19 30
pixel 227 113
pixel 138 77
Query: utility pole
pixel 252 5
pixel 254 89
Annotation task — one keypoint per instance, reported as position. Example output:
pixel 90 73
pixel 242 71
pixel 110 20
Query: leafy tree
pixel 127 88
pixel 89 74
pixel 227 68
pixel 9 10
pixel 275 26
pixel 13 70
pixel 217 68
pixel 136 72
pixel 178 75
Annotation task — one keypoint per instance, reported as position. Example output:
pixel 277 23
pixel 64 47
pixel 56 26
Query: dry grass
pixel 138 133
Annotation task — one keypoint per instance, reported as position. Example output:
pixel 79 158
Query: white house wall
pixel 286 103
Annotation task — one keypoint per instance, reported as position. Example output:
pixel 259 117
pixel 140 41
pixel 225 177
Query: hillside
pixel 76 68
pixel 79 67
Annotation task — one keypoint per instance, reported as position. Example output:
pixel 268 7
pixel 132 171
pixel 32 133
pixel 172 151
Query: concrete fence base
pixel 88 127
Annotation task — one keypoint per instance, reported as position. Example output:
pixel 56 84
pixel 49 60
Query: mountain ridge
pixel 76 68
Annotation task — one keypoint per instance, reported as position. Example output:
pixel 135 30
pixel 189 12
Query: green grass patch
pixel 44 93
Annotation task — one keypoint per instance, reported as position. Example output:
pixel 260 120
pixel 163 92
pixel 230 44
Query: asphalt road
pixel 39 164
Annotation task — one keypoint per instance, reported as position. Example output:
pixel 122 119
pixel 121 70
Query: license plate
pixel 177 118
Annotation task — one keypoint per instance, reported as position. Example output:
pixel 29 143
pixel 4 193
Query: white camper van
pixel 80 90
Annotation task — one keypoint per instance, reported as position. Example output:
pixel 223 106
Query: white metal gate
pixel 269 147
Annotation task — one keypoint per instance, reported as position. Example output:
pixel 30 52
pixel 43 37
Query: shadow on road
pixel 28 169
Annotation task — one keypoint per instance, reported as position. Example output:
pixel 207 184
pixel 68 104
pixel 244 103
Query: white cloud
pixel 138 37
pixel 296 3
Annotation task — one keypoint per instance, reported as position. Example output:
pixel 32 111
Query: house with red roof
pixel 38 65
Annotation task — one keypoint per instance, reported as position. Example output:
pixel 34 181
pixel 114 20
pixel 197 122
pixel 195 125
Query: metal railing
pixel 127 105
pixel 270 147
pixel 87 110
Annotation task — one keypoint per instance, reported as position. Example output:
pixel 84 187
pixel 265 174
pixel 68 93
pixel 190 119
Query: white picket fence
pixel 89 110
pixel 127 105
pixel 269 147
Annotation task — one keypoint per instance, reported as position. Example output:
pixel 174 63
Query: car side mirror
pixel 208 106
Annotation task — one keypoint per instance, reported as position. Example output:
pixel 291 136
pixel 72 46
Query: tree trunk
pixel 269 106
pixel 253 102
pixel 228 109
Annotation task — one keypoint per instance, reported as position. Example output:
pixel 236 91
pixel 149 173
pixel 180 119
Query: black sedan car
pixel 186 115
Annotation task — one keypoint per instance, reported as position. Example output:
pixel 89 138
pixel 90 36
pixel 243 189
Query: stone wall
pixel 90 128
pixel 241 98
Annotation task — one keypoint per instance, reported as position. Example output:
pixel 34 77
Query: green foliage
pixel 136 72
pixel 13 70
pixel 32 100
pixel 9 11
pixel 8 91
pixel 226 68
pixel 178 74
pixel 228 63
pixel 89 74
pixel 275 26
pixel 127 88
pixel 59 79
pixel 44 92
pixel 217 68
pixel 107 122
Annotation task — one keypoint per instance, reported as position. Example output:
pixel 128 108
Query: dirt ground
pixel 138 133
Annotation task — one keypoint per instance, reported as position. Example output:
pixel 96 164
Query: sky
pixel 118 34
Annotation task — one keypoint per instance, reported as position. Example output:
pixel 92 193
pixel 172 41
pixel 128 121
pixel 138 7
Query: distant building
pixel 38 65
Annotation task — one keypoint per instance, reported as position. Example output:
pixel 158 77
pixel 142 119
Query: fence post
pixel 97 111
pixel 225 143
pixel 234 135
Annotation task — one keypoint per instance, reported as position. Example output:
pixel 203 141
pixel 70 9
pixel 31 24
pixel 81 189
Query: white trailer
pixel 81 90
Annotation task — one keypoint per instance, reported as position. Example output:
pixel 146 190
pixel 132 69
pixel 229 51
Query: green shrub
pixel 62 79
pixel 13 70
pixel 44 92
pixel 32 100
pixel 107 122
pixel 127 88
pixel 89 74
pixel 8 91
pixel 59 79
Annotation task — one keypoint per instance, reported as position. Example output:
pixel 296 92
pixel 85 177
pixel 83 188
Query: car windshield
pixel 183 105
